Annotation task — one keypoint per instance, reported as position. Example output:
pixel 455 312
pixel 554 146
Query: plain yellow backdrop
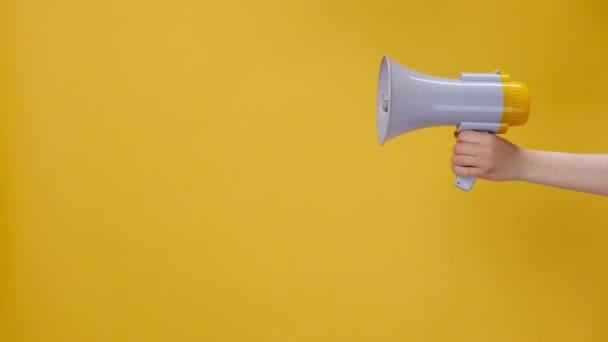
pixel 209 171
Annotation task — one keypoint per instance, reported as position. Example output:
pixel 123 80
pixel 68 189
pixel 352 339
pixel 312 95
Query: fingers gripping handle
pixel 466 183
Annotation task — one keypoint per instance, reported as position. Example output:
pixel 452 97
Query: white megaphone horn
pixel 408 100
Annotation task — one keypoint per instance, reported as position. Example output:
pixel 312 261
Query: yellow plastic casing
pixel 516 103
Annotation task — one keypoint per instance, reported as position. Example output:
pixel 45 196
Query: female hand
pixel 486 156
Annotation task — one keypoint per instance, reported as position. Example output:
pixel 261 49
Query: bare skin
pixel 491 157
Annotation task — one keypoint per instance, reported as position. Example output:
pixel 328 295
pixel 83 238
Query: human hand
pixel 486 156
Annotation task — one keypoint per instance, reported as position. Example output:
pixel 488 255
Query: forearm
pixel 579 172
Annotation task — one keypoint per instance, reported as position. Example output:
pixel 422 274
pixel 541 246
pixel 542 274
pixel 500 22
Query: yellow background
pixel 209 171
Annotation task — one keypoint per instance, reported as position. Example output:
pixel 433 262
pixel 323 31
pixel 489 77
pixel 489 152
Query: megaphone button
pixel 385 102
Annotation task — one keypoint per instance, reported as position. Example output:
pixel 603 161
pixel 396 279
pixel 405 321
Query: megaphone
pixel 486 102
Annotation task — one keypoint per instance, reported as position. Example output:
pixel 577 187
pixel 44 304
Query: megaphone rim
pixel 383 109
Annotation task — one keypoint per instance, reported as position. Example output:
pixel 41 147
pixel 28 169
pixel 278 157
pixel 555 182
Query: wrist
pixel 525 165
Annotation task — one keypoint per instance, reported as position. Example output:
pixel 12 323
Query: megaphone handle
pixel 466 183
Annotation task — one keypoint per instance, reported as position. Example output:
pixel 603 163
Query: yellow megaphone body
pixel 408 100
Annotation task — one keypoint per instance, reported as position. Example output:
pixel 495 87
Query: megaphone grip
pixel 465 183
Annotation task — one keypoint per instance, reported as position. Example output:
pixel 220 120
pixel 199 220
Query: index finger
pixel 469 137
